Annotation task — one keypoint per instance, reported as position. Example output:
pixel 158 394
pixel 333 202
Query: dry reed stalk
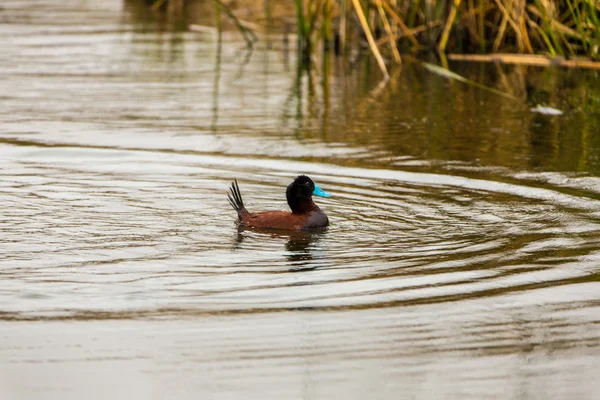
pixel 513 24
pixel 501 32
pixel 523 25
pixel 405 30
pixel 555 26
pixel 374 49
pixel 389 32
pixel 421 28
pixel 394 24
pixel 414 31
pixel 446 32
pixel 424 27
pixel 470 22
pixel 542 32
pixel 526 59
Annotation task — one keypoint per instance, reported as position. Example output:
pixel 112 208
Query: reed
pixel 567 28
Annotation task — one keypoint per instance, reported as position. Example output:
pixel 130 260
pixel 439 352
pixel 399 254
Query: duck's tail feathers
pixel 235 198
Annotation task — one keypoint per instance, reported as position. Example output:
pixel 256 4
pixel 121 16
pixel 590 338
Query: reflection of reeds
pixel 421 116
pixel 555 27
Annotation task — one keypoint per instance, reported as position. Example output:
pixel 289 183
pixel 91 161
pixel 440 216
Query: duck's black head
pixel 299 194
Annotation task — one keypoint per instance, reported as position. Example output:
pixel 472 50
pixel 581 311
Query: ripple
pixel 146 232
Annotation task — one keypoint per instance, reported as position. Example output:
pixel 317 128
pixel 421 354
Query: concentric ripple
pixel 439 277
pixel 146 233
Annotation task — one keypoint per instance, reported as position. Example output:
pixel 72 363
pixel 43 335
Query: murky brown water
pixel 462 261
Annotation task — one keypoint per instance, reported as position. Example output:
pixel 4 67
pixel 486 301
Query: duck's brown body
pixel 305 213
pixel 285 220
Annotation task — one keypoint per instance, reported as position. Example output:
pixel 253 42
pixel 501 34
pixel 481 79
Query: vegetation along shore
pixel 559 32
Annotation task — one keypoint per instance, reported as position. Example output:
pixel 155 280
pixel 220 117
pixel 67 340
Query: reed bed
pixel 557 28
pixel 567 28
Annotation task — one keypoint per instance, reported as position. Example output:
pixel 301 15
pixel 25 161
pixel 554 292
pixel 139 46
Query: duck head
pixel 299 194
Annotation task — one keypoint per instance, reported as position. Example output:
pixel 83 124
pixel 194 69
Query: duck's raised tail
pixel 235 199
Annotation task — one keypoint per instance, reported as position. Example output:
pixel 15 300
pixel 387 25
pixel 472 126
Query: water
pixel 462 259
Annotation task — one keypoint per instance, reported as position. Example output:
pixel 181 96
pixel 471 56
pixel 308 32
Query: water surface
pixel 462 259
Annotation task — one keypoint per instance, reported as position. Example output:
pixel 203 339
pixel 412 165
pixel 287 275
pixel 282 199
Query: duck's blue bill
pixel 320 192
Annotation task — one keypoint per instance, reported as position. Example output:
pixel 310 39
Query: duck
pixel 305 214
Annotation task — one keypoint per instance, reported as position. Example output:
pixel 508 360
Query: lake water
pixel 462 261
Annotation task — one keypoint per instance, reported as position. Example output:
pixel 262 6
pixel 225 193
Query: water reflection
pixel 416 117
pixel 303 249
pixel 162 16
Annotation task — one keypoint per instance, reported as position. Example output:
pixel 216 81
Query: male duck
pixel 305 213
